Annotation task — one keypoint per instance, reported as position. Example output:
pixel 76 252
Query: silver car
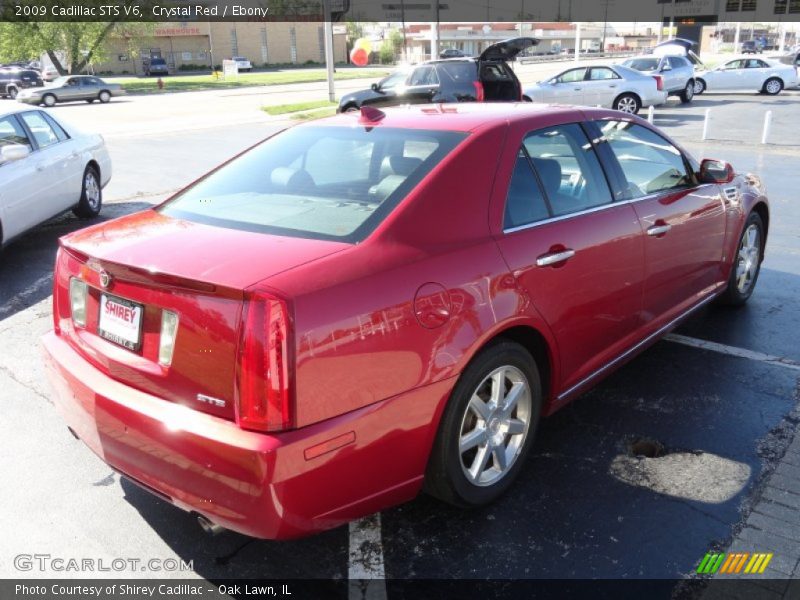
pixel 611 86
pixel 676 73
pixel 70 89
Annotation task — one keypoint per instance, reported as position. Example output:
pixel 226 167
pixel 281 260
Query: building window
pixel 748 5
pixel 293 44
pixel 780 6
pixel 732 6
pixel 794 6
pixel 264 47
pixel 234 43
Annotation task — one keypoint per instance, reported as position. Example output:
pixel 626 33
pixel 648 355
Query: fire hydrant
pixel 160 83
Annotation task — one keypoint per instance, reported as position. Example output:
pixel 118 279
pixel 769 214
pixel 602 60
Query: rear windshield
pixel 643 64
pixel 331 183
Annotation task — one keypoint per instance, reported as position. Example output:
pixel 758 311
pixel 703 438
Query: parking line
pixel 733 351
pixel 365 561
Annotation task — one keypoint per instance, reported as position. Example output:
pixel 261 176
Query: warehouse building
pixel 201 45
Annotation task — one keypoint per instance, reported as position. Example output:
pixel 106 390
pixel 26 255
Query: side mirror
pixel 375 87
pixel 715 171
pixel 14 152
pixel 666 67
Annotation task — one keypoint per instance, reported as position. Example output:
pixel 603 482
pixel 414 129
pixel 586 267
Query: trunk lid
pixel 196 271
pixel 508 49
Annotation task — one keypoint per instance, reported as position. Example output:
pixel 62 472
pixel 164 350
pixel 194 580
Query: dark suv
pixel 485 78
pixel 12 80
pixel 752 47
pixel 156 66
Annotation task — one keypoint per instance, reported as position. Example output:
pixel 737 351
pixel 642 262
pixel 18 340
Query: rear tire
pixel 627 103
pixel 688 92
pixel 773 86
pixel 490 419
pixel 12 93
pixel 90 100
pixel 91 200
pixel 746 264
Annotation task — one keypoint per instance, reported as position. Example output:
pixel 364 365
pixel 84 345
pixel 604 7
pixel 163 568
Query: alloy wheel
pixel 92 190
pixel 748 259
pixel 627 105
pixel 494 426
pixel 773 86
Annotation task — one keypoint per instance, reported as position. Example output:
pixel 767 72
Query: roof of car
pixel 465 116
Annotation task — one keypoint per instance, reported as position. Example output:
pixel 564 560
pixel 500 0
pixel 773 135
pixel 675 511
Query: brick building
pixel 203 44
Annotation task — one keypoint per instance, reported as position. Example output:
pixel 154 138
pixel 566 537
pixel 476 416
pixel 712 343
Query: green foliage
pixel 386 52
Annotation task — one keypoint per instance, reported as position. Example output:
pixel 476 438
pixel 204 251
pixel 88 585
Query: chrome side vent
pixel 731 194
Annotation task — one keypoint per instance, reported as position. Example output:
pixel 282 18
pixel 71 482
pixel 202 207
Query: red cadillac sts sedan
pixel 367 306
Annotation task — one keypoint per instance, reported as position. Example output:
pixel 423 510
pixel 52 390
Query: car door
pixel 18 186
pixel 601 86
pixel 730 76
pixel 71 89
pixel 566 88
pixel 755 73
pixel 55 164
pixel 577 255
pixel 386 90
pixel 422 85
pixel 683 220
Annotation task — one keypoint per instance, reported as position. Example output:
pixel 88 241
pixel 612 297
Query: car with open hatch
pixel 287 344
pixel 485 78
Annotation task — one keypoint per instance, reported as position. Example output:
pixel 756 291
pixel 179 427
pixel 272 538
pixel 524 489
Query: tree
pixel 77 44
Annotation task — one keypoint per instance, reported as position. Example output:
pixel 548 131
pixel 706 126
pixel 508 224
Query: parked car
pixel 756 74
pixel 452 53
pixel 752 47
pixel 70 89
pixel 676 72
pixel 242 63
pixel 612 86
pixel 485 78
pixel 288 344
pixel 155 66
pixel 679 47
pixel 14 80
pixel 46 168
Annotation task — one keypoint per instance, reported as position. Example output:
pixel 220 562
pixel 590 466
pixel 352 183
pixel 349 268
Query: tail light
pixel 77 301
pixel 263 399
pixel 479 96
pixel 659 82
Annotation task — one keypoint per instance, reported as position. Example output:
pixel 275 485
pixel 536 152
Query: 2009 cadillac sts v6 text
pixel 379 303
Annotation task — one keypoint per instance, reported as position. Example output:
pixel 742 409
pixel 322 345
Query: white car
pixel 612 86
pixel 756 74
pixel 46 168
pixel 242 63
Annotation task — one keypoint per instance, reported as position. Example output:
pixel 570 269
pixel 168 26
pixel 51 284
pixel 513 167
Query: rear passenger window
pixel 41 130
pixel 568 168
pixel 424 76
pixel 525 202
pixel 602 73
pixel 649 162
pixel 459 72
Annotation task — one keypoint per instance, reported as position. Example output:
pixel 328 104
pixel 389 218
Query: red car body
pixel 375 333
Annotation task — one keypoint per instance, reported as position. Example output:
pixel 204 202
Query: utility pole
pixel 435 40
pixel 577 42
pixel 403 19
pixel 328 35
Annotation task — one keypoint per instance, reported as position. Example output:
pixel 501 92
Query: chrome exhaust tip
pixel 209 526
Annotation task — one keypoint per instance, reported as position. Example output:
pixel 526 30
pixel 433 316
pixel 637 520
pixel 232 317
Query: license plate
pixel 120 321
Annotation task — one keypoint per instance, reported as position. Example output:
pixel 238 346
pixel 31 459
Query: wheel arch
pixel 628 93
pixel 762 210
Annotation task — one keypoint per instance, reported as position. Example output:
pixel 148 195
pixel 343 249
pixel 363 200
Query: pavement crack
pixel 15 379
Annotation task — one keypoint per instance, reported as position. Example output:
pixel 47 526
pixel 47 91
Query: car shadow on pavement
pixel 26 264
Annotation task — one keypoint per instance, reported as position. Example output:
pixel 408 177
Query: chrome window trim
pixel 636 346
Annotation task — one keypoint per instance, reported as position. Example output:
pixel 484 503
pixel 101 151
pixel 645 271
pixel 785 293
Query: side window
pixel 676 62
pixel 60 133
pixel 525 202
pixel 424 76
pixel 11 132
pixel 568 168
pixel 735 64
pixel 73 82
pixel 649 162
pixel 571 76
pixel 602 73
pixel 41 130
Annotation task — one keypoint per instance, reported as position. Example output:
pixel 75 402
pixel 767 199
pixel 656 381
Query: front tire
pixel 12 93
pixel 773 86
pixel 91 200
pixel 487 428
pixel 746 264
pixel 688 92
pixel 628 103
pixel 49 100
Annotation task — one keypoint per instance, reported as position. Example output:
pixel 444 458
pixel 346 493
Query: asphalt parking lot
pixel 589 504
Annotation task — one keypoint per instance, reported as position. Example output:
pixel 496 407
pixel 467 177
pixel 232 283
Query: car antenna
pixel 370 114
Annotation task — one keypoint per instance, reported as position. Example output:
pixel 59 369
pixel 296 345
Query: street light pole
pixel 328 35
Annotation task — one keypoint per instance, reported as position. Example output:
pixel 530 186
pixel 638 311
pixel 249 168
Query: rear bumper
pixel 268 486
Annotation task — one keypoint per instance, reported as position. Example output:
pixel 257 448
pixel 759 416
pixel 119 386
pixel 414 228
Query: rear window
pixel 643 64
pixel 331 183
pixel 459 72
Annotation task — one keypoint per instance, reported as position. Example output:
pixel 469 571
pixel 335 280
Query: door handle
pixel 613 85
pixel 40 167
pixel 577 89
pixel 555 257
pixel 657 230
